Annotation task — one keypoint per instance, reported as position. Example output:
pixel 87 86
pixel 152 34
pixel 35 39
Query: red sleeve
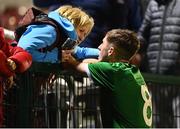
pixel 4 69
pixel 22 58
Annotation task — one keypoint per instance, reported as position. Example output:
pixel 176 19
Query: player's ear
pixel 111 51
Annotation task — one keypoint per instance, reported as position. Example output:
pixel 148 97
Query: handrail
pixel 163 79
pixel 56 68
pixel 45 67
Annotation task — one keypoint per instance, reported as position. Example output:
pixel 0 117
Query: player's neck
pixel 124 60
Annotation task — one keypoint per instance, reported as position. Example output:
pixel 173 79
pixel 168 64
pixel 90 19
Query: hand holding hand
pixel 68 61
pixel 67 57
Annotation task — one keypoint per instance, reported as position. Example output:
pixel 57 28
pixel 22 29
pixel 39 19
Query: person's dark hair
pixel 44 3
pixel 160 2
pixel 126 42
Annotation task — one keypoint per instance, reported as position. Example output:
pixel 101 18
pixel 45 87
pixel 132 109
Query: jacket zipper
pixel 161 39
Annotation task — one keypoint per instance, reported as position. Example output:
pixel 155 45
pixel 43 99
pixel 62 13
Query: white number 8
pixel 147 109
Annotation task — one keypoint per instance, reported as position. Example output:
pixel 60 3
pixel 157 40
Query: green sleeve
pixel 101 73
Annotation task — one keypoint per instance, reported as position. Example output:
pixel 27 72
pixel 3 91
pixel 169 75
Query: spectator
pixel 161 36
pixel 10 17
pixel 107 14
pixel 75 23
pixel 13 59
pixel 125 100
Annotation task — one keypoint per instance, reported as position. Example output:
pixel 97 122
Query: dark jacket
pixel 161 32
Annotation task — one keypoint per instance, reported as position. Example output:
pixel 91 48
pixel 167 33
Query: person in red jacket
pixel 12 60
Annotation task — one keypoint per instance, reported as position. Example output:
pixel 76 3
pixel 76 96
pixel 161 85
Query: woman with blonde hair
pixel 75 24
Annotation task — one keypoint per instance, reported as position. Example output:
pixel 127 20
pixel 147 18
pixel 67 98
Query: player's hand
pixel 67 57
pixel 68 61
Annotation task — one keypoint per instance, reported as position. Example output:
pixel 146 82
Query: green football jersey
pixel 125 99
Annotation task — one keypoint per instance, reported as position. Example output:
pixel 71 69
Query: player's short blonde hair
pixel 77 16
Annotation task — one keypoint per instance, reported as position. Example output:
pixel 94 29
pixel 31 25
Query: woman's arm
pixel 81 53
pixel 37 37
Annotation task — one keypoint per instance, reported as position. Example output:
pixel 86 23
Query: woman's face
pixel 82 32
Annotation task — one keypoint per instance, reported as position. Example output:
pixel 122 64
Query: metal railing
pixel 46 96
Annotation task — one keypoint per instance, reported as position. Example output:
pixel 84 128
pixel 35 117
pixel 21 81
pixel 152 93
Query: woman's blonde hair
pixel 77 16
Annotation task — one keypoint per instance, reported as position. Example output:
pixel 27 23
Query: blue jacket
pixel 40 36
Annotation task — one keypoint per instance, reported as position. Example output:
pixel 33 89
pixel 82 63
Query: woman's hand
pixel 11 64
